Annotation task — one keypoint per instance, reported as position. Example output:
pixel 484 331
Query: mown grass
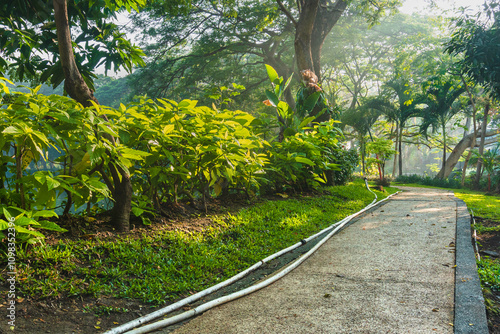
pixel 170 264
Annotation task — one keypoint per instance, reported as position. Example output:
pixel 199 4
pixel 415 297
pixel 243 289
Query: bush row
pixel 58 157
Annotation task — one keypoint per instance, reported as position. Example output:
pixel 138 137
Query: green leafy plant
pixel 309 158
pixel 383 151
pixel 27 223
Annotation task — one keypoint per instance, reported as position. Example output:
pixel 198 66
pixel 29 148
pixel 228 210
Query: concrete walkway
pixel 391 271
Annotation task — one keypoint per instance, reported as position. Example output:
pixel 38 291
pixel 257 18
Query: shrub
pixel 309 158
pixel 430 181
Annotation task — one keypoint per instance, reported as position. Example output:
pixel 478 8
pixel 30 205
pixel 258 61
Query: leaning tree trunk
pixel 481 146
pixel 77 89
pixel 459 149
pixel 474 132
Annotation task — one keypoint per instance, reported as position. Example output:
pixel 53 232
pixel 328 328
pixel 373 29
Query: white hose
pixel 170 308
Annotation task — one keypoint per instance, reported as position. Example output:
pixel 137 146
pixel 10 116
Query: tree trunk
pixel 316 20
pixel 74 84
pixel 400 151
pixel 122 195
pixel 326 18
pixel 459 149
pixel 443 167
pixel 474 132
pixel 363 154
pixel 303 34
pixel 77 89
pixel 481 146
pixel 395 162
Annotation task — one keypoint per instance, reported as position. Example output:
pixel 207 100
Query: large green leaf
pixel 45 214
pixel 305 161
pixel 3 225
pixel 20 229
pixel 272 74
pixel 51 226
pixel 272 98
pixel 311 101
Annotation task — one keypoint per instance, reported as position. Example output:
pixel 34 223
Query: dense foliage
pixel 58 157
pixel 429 181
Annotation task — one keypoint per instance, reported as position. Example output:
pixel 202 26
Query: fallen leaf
pixel 435 310
pixel 327 295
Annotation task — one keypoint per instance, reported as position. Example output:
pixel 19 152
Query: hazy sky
pixel 421 6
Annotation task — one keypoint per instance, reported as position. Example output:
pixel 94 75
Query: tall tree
pixel 316 18
pixel 32 26
pixel 477 43
pixel 213 44
pixel 217 43
pixel 359 59
pixel 362 119
pixel 398 103
pixel 440 94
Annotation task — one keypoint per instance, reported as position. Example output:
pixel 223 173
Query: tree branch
pixel 287 12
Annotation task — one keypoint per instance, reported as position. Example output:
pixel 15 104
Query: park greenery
pixel 226 100
pixel 165 265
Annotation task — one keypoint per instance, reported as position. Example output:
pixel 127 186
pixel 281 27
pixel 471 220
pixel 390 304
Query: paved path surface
pixel 391 271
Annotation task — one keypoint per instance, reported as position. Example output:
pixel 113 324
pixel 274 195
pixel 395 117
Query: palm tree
pixel 440 95
pixel 361 119
pixel 398 104
pixel 490 160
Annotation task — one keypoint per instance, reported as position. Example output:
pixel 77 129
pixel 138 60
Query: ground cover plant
pixel 486 210
pixel 156 265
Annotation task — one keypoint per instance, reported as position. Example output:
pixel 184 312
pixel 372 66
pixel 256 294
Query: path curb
pixel 470 312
